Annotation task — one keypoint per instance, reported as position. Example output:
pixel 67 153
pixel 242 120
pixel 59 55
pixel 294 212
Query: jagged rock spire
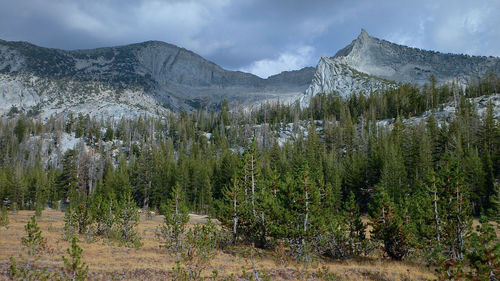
pixel 363 34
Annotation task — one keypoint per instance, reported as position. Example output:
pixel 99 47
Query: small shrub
pixel 104 210
pixel 174 224
pixel 13 208
pixel 484 253
pixel 74 269
pixel 200 245
pixel 325 275
pixel 34 242
pixel 256 274
pixel 4 217
pixel 38 210
pixel 149 214
pixel 52 228
pixel 70 227
pixel 34 245
pixel 127 221
pixel 82 217
pixel 280 256
pixel 302 250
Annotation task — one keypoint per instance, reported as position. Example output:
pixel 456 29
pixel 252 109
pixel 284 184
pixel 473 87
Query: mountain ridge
pixel 176 78
pixel 166 77
pixel 401 63
pixel 393 63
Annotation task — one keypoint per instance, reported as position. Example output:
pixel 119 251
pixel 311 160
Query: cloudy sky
pixel 264 37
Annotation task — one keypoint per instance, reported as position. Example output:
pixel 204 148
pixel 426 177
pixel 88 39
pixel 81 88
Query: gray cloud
pixel 261 36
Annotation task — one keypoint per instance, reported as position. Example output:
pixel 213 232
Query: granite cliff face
pixel 151 77
pixel 332 76
pixel 380 63
pixel 155 78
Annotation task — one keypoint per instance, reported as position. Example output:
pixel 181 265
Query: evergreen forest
pixel 341 179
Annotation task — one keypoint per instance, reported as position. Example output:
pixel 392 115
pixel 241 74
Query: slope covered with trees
pixel 419 184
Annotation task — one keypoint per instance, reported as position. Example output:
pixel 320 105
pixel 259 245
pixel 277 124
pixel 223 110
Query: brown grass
pixel 108 261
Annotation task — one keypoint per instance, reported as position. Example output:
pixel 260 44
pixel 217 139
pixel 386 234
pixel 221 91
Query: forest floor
pixel 108 261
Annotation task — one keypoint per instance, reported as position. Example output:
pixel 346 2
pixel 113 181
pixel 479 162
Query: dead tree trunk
pixel 436 217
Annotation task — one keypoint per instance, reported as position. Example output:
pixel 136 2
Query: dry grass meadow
pixel 108 261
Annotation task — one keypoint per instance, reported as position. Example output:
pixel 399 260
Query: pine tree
pixel 436 138
pixel 20 129
pixel 117 181
pixel 488 191
pixel 67 181
pixel 424 163
pixel 483 253
pixel 234 196
pixel 421 221
pixel 252 218
pixel 456 213
pixel 433 189
pixel 489 141
pixel 109 135
pixel 4 217
pixel 333 188
pixel 394 174
pixel 267 206
pixel 74 269
pixel 127 221
pixel 81 215
pixel 176 217
pixel 306 212
pixel 474 178
pixel 388 225
pixel 353 177
pixel 223 173
pixel 35 245
pixel 488 132
pixel 355 225
pixel 494 212
pixel 251 174
pixel 104 211
pixel 143 176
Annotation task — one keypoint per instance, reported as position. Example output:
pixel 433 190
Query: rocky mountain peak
pixel 363 41
pixel 400 63
pixel 363 35
pixel 369 63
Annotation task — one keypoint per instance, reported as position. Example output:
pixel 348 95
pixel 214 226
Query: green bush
pixel 199 248
pixel 127 221
pixel 74 269
pixel 34 245
pixel 4 217
pixel 174 224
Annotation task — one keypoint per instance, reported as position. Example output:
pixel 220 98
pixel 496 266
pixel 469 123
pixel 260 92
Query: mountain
pixel 155 78
pixel 377 64
pixel 145 78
